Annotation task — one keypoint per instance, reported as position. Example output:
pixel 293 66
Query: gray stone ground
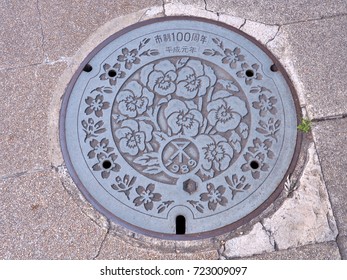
pixel 43 215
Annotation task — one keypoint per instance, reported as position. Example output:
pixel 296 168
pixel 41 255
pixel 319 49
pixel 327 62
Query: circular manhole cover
pixel 179 128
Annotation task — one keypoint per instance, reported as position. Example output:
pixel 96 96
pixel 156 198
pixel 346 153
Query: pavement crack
pixel 22 173
pixel 221 250
pixel 269 233
pixel 164 9
pixel 315 19
pixel 20 67
pixel 41 30
pixel 273 38
pixel 243 24
pixel 330 118
pixel 102 244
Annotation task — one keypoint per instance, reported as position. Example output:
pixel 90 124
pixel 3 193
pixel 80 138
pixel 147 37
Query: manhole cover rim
pixel 110 215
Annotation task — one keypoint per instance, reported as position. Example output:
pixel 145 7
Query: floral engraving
pixel 106 164
pixel 164 205
pixel 129 58
pixel 255 158
pixel 146 197
pixel 159 125
pixel 160 78
pixel 197 205
pixel 269 128
pixel 133 136
pixel 229 56
pixel 112 74
pixel 96 105
pixel 194 79
pixel 249 73
pixel 99 147
pixel 225 113
pixel 182 119
pixel 92 128
pixel 237 184
pixel 265 105
pixel 214 196
pixel 134 99
pixel 216 153
pixel 124 184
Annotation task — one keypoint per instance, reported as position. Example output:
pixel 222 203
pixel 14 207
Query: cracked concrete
pixel 304 218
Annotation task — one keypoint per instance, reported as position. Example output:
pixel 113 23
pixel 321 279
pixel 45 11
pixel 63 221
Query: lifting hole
pixel 106 164
pixel 87 68
pixel 273 68
pixel 112 73
pixel 180 224
pixel 249 73
pixel 254 164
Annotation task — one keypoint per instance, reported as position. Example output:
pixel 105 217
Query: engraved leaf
pixel 153 52
pixel 147 159
pixel 227 179
pixel 159 136
pixel 155 169
pixel 228 85
pixel 277 124
pixel 208 52
pixel 244 130
pixel 183 61
pixel 207 173
pixel 143 43
pixel 255 89
pixel 163 101
pixel 235 140
pixel 118 118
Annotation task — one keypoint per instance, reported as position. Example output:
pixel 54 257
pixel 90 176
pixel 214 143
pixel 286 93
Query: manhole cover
pixel 179 128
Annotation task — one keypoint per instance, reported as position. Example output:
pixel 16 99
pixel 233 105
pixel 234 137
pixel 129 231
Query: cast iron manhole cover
pixel 179 127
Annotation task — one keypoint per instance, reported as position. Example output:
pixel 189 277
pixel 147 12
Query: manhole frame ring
pixel 196 236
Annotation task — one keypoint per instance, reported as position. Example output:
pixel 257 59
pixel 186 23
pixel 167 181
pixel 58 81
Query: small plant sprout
pixel 290 186
pixel 305 125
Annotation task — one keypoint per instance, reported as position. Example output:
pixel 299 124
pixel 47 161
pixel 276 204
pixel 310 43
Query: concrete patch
pixel 173 9
pixel 304 218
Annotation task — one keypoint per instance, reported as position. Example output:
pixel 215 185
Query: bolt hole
pixel 180 224
pixel 87 68
pixel 254 164
pixel 112 73
pixel 273 68
pixel 249 73
pixel 106 164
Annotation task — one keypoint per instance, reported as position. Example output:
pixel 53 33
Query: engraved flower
pixel 232 57
pixel 134 99
pixel 160 78
pixel 112 73
pixel 182 119
pixel 194 79
pixel 249 73
pixel 254 163
pixel 124 184
pixel 216 152
pixel 99 147
pixel 265 105
pixel 225 111
pixel 92 128
pixel 133 136
pixel 129 58
pixel 96 105
pixel 263 147
pixel 214 196
pixel 146 197
pixel 106 163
